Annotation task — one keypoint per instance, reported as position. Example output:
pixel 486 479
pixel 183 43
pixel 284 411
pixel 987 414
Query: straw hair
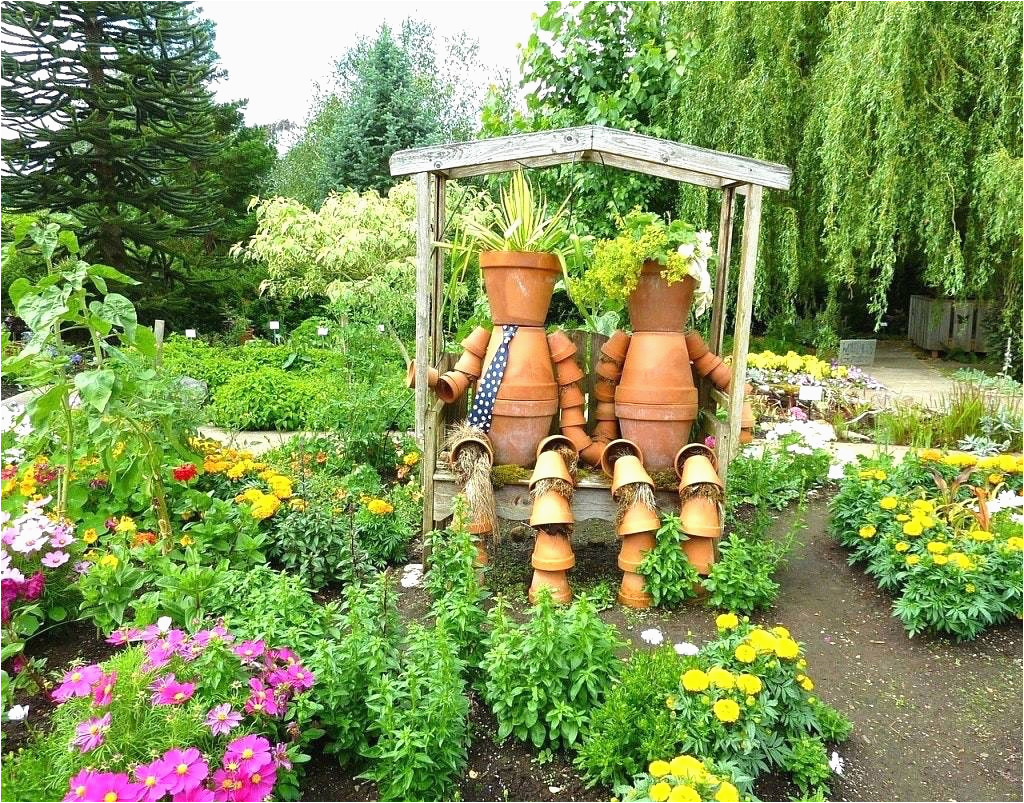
pixel 472 470
pixel 701 490
pixel 635 493
pixel 556 484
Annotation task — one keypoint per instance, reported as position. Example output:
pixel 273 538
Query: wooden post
pixel 716 332
pixel 744 311
pixel 158 333
pixel 424 331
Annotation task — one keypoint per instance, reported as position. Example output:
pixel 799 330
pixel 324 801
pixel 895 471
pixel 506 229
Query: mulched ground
pixel 933 719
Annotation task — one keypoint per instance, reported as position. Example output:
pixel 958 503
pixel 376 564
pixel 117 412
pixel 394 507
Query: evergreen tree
pixel 113 121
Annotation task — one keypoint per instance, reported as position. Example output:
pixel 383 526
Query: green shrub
pixel 808 766
pixel 543 677
pixel 270 399
pixel 782 472
pixel 319 546
pixel 671 578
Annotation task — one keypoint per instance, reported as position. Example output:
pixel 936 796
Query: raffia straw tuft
pixel 472 469
pixel 559 486
pixel 572 460
pixel 702 490
pixel 635 493
pixel 559 529
pixel 617 451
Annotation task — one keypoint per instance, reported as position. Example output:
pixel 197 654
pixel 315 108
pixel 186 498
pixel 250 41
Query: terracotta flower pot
pixel 551 508
pixel 517 426
pixel 658 429
pixel 712 366
pixel 573 417
pixel 632 592
pixel 746 436
pixel 700 552
pixel 698 469
pixel 570 396
pixel 633 549
pixel 657 306
pixel 627 470
pixel 550 465
pixel 519 285
pixel 410 376
pixel 606 431
pixel 700 516
pixel 529 375
pixel 552 553
pixel 695 345
pixel 561 346
pixel 638 519
pixel 694 449
pixel 616 346
pixel 616 449
pixel 747 415
pixel 579 438
pixel 604 390
pixel 553 442
pixel 705 362
pixel 593 453
pixel 607 369
pixel 484 442
pixel 477 340
pixel 567 372
pixel 556 581
pixel 657 370
pixel 470 364
pixel 604 411
pixel 451 385
pixel 482 558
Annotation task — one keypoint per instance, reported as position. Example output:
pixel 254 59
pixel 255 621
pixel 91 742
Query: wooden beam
pixel 744 312
pixel 716 332
pixel 424 287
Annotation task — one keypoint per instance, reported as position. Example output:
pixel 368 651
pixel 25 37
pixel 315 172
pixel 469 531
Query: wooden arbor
pixel 433 166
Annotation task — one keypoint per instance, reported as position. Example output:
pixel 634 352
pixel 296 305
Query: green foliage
pixel 385 536
pixel 319 546
pixel 784 470
pixel 632 726
pixel 543 677
pixel 809 768
pixel 270 399
pixel 670 578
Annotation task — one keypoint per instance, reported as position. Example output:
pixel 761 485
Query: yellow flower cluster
pixel 796 364
pixel 686 778
pixel 261 505
pixel 1003 463
pixel 379 507
pixel 238 464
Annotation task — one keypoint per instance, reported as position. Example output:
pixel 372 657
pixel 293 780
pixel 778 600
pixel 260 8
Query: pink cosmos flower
pixel 156 657
pixel 226 785
pixel 82 567
pixel 169 691
pixel 111 787
pixel 198 793
pixel 90 734
pixel 280 756
pixel 79 785
pixel 183 769
pixel 51 560
pixel 710 441
pixel 77 683
pixel 221 719
pixel 284 655
pixel 151 779
pixel 123 636
pixel 258 784
pixel 61 538
pixel 300 677
pixel 249 651
pixel 249 752
pixel 262 699
pixel 103 691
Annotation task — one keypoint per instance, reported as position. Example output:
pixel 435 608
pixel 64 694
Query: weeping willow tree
pixel 901 121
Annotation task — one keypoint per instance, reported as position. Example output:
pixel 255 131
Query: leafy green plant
pixel 319 546
pixel 543 677
pixel 520 223
pixel 808 766
pixel 671 578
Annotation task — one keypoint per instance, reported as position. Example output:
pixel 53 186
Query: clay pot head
pixel 627 470
pixel 478 440
pixel 476 342
pixel 616 449
pixel 560 345
pixel 616 347
pixel 555 582
pixel 410 376
pixel 694 449
pixel 551 508
pixel 638 519
pixel 570 395
pixel 552 553
pixel 519 285
pixel 552 442
pixel 699 469
pixel 451 385
pixel 470 364
pixel 568 372
pixel 550 465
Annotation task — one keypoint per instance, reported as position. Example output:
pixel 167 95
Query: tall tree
pixel 113 121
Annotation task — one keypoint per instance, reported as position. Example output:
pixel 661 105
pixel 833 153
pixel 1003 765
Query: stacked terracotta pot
pixel 709 365
pixel 656 400
pixel 623 462
pixel 700 508
pixel 571 400
pixel 608 372
pixel 552 486
pixel 482 524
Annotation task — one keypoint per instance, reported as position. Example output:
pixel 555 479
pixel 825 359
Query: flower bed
pixel 940 531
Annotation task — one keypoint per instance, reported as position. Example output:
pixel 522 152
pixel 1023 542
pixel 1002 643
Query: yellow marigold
pixel 109 561
pixel 995 479
pixel 901 546
pixel 659 792
pixel 913 528
pixel 926 522
pixel 659 768
pixel 1015 543
pixel 888 502
pixel 963 562
pixel 969 588
pixel 726 621
pixel 981 535
pixel 722 678
pixel 933 455
pixel 801 664
pixel 726 710
pixel 749 684
pixel 902 517
pixel 695 680
pixel 297 504
pixel 265 506
pixel 1009 464
pixel 805 682
pixel 727 793
pixel 379 507
pixel 683 793
pixel 125 525
pixel 411 459
pixel 687 767
pixel 923 505
pixel 867 531
pixel 867 474
pixel 761 640
pixel 670 702
pixel 27 486
pixel 787 648
pixel 90 536
pixel 937 547
pixel 880 475
pixel 940 560
pixel 186 540
pixel 745 653
pixel 780 631
pixel 913 560
pixel 280 486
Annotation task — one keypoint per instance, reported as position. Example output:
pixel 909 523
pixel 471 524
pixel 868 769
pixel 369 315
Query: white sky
pixel 276 50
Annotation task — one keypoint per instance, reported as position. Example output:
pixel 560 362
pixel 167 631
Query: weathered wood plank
pixel 716 332
pixel 593 143
pixel 424 288
pixel 437 255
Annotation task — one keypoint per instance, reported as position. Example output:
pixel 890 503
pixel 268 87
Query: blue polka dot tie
pixel 487 388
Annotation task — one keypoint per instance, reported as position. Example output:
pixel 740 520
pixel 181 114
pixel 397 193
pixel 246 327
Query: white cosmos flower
pixel 653 636
pixel 686 648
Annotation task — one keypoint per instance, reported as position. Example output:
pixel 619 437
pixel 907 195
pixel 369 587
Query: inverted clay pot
pixel 632 592
pixel 470 364
pixel 604 411
pixel 410 376
pixel 747 415
pixel 714 368
pixel 551 508
pixel 579 438
pixel 700 516
pixel 552 442
pixel 552 553
pixel 627 470
pixel 616 346
pixel 573 417
pixel 550 465
pixel 567 372
pixel 451 385
pixel 519 285
pixel 556 581
pixel 462 443
pixel 694 449
pixel 570 396
pixel 561 346
pixel 604 390
pixel 638 519
pixel 658 429
pixel 607 369
pixel 605 431
pixel 695 345
pixel 477 340
pixel 746 436
pixel 617 449
pixel 593 453
pixel 658 306
pixel 634 547
pixel 700 552
pixel 528 375
pixel 517 427
pixel 699 469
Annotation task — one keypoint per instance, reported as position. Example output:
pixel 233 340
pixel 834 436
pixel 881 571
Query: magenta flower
pixel 300 677
pixel 82 567
pixel 227 784
pixel 103 691
pixel 280 756
pixel 90 734
pixel 61 538
pixel 111 787
pixel 183 769
pixel 261 699
pixel 32 588
pixel 110 524
pixel 221 719
pixel 77 683
pixel 169 691
pixel 798 414
pixel 52 560
pixel 151 779
pixel 198 793
pixel 249 651
pixel 258 784
pixel 248 752
pixel 710 441
pixel 79 786
pixel 156 656
pixel 284 655
pixel 123 636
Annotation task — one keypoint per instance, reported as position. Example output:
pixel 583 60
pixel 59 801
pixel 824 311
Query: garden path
pixel 908 375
